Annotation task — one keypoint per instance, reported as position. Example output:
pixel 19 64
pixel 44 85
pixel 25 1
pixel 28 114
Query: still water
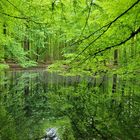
pixel 105 107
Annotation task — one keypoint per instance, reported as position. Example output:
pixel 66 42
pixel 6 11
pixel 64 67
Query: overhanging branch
pixel 13 16
pixel 91 43
pixel 22 18
pixel 113 46
pixel 106 25
pixel 87 18
pixel 15 7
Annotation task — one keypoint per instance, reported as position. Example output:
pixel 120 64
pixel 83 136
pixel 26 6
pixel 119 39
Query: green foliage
pixel 7 130
pixel 98 39
pixel 50 32
pixel 32 102
pixel 3 66
pixel 94 114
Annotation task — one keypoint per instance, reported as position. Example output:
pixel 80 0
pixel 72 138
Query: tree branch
pixel 87 18
pixel 15 7
pixel 13 16
pixel 113 46
pixel 91 43
pixel 24 18
pixel 20 17
pixel 109 24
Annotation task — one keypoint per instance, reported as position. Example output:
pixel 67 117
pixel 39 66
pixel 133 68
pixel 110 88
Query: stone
pixel 51 134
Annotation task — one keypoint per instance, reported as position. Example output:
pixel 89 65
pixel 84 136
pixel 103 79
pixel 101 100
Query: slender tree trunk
pixel 116 57
pixel 5 33
pixel 26 44
pixel 4 29
pixel 123 83
pixel 114 84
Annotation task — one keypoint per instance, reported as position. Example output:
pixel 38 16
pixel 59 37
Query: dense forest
pixel 88 88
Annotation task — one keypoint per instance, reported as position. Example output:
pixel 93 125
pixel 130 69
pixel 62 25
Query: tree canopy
pixel 87 35
pixel 99 39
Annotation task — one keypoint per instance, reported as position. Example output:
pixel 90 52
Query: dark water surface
pixel 89 108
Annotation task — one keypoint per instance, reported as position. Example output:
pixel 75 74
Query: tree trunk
pixel 4 29
pixel 26 44
pixel 116 57
pixel 3 50
pixel 114 84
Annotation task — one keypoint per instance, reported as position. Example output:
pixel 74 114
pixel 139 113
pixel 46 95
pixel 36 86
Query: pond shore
pixel 15 66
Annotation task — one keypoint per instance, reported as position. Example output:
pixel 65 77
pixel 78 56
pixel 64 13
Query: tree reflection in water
pixel 80 108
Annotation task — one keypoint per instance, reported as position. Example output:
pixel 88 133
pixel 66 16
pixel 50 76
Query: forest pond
pixel 80 108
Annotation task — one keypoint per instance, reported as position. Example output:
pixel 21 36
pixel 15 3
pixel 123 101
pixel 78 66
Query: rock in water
pixel 51 134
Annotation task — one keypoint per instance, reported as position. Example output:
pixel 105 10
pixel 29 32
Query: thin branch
pixel 113 46
pixel 80 41
pixel 91 43
pixel 87 18
pixel 13 16
pixel 24 18
pixel 20 17
pixel 15 7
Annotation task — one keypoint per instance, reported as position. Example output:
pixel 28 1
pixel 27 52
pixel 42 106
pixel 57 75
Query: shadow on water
pixel 86 108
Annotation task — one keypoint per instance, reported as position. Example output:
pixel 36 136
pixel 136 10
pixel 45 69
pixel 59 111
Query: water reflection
pixel 105 107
